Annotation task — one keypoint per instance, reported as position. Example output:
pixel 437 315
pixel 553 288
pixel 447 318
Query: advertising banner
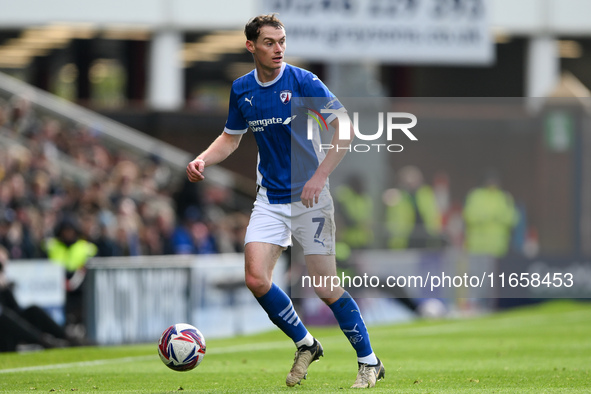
pixel 395 31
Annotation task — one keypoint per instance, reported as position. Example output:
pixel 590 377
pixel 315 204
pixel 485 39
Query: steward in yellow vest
pixel 356 211
pixel 413 219
pixel 72 252
pixel 489 216
pixel 354 217
pixel 71 256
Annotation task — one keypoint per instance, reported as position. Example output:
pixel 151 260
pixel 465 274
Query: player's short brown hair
pixel 253 27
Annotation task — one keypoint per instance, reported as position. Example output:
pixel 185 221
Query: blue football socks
pixel 347 313
pixel 281 312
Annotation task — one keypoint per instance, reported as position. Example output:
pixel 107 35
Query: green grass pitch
pixel 541 349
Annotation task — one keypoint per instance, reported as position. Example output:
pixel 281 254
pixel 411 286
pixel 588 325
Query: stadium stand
pixel 126 189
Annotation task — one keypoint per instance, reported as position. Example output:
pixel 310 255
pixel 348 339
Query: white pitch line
pixel 224 350
pixel 76 364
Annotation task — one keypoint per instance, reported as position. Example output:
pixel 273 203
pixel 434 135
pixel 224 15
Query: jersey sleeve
pixel 235 124
pixel 321 97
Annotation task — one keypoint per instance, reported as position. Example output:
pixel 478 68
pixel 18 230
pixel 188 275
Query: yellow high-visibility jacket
pixel 490 216
pixel 358 215
pixel 401 216
pixel 71 257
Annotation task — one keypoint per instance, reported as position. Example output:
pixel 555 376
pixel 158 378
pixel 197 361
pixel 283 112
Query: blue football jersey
pixel 287 159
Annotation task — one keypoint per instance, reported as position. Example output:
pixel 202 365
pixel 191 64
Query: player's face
pixel 269 48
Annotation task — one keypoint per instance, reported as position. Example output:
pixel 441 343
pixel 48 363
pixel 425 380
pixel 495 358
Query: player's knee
pixel 258 285
pixel 330 300
pixel 329 294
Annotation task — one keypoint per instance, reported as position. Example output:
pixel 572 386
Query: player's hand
pixel 195 170
pixel 312 189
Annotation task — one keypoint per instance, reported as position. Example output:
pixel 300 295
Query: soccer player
pixel 289 202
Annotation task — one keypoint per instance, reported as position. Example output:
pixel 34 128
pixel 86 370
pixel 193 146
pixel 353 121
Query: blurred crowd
pixel 54 171
pixel 414 214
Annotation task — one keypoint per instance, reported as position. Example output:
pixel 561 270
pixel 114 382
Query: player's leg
pixel 343 306
pixel 314 229
pixel 348 315
pixel 260 261
pixel 268 234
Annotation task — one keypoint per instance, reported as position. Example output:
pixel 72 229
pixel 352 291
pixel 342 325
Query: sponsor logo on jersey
pixel 288 120
pixel 260 124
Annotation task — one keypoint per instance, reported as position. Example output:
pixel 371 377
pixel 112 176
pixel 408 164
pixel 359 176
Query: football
pixel 181 347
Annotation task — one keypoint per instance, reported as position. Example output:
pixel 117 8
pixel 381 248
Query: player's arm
pixel 314 186
pixel 218 151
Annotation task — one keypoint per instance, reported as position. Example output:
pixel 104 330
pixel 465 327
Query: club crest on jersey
pixel 285 96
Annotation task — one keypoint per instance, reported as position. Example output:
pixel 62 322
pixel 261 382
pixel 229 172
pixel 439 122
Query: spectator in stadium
pixel 129 226
pixel 490 216
pixel 159 224
pixel 188 197
pixel 25 239
pixel 22 119
pixel 288 202
pixel 202 238
pixel 105 242
pixel 31 325
pixel 192 235
pixel 68 249
pixel 355 208
pixel 7 217
pixel 3 112
pixel 229 233
pixel 123 182
pixel 413 219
